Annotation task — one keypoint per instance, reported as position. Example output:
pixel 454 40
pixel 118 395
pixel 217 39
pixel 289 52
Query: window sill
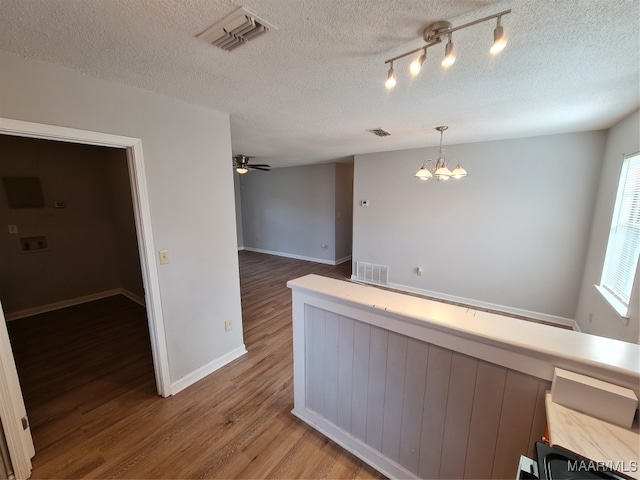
pixel 616 305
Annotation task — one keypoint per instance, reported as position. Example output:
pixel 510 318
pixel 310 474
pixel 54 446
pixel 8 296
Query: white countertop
pixel 593 438
pixel 622 359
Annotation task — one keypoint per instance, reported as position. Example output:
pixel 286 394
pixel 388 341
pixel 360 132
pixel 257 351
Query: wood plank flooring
pixel 88 383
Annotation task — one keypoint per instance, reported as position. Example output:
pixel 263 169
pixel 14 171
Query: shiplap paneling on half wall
pixel 435 412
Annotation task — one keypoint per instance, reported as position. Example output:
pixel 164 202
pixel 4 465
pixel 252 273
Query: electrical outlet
pixel 419 271
pixel 13 229
pixel 590 317
pixel 228 325
pixel 324 246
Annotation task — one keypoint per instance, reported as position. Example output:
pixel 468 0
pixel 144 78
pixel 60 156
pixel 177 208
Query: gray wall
pixel 292 211
pixel 513 233
pixel 187 150
pixel 238 205
pixel 344 210
pixel 92 242
pixel 621 139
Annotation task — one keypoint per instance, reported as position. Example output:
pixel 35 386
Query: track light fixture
pixel 434 34
pixel 440 169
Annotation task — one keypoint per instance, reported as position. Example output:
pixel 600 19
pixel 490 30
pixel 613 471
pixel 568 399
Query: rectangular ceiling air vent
pixel 381 132
pixel 234 30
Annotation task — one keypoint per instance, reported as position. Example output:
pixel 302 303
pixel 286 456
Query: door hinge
pixel 25 422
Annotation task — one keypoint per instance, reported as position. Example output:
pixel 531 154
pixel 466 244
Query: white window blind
pixel 621 259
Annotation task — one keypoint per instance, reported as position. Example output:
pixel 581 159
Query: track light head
pixel 391 78
pixel 449 57
pixel 499 40
pixel 416 65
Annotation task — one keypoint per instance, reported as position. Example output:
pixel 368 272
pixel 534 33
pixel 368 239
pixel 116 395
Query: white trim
pixel 621 310
pixel 142 214
pixel 207 369
pixel 357 447
pixel 12 409
pixel 467 302
pixel 576 327
pixel 132 296
pixel 50 307
pixel 342 260
pixel 297 257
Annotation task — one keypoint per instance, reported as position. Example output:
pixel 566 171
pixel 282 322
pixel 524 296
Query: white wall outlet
pixel 13 229
pixel 324 246
pixel 164 257
pixel 419 271
pixel 228 325
pixel 364 203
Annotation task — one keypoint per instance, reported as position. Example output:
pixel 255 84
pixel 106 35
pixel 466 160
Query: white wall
pixel 187 152
pixel 512 234
pixel 291 211
pixel 622 139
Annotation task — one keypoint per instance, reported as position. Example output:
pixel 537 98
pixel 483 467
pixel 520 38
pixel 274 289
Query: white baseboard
pixel 298 257
pixel 132 296
pixel 357 447
pixel 205 370
pixel 50 307
pixel 340 261
pixel 545 317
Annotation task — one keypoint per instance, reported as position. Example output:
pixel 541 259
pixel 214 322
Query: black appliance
pixel 551 463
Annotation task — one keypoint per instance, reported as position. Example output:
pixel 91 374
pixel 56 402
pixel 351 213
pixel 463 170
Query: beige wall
pixel 91 242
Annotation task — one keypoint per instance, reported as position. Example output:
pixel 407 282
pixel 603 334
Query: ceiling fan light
pixel 499 40
pixel 423 173
pixel 241 170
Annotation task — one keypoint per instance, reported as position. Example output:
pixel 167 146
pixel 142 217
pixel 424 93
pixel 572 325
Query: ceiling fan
pixel 242 165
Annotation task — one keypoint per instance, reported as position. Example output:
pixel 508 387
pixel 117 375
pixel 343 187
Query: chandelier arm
pixel 448 31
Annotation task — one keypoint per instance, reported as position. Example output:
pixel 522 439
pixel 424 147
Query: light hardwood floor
pixel 88 383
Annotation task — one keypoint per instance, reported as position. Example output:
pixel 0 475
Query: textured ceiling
pixel 308 90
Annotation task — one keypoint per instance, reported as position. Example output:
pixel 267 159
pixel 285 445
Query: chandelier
pixel 439 169
pixel 433 35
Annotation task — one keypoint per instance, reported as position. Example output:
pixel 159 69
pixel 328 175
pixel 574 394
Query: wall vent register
pixel 372 273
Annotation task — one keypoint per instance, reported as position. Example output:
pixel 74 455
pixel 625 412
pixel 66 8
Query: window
pixel 621 259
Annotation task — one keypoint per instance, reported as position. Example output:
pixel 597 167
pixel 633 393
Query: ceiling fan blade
pixel 260 167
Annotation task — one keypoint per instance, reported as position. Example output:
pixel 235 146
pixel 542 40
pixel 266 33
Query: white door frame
pixel 144 233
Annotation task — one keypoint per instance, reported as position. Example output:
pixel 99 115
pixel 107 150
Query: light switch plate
pixel 164 256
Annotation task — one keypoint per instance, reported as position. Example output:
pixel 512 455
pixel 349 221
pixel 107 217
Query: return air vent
pixel 234 30
pixel 372 273
pixel 381 132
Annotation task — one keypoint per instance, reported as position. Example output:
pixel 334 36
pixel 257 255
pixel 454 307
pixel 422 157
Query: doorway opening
pixel 10 396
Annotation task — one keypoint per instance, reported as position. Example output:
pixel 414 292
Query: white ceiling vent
pixel 234 30
pixel 381 132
